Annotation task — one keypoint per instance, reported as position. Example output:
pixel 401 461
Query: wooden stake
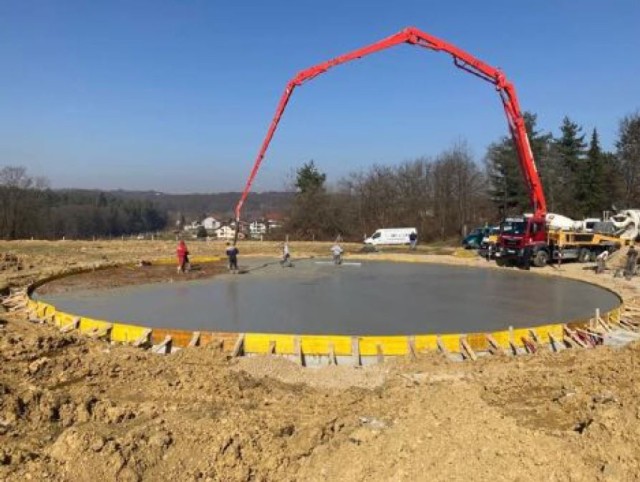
pixel 494 347
pixel 97 333
pixel 297 344
pixel 238 348
pixel 466 348
pixel 332 354
pixel 528 344
pixel 272 347
pixel 144 339
pixel 411 346
pixel 441 347
pixel 553 342
pixel 512 342
pixel 164 348
pixel 572 336
pixel 379 353
pixel 355 350
pixel 74 325
pixel 195 339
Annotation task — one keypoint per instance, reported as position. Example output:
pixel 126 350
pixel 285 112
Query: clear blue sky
pixel 177 95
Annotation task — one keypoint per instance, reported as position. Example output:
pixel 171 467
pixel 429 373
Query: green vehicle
pixel 473 240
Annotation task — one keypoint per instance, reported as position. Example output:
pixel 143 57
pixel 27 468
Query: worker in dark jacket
pixel 232 255
pixel 632 262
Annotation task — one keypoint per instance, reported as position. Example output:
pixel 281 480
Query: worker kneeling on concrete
pixel 336 251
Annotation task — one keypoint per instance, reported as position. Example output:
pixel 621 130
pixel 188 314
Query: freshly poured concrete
pixel 377 298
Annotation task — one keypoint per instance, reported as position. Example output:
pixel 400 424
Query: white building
pixel 227 232
pixel 211 224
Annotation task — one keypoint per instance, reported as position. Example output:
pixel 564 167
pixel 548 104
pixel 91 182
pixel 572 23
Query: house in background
pixel 211 224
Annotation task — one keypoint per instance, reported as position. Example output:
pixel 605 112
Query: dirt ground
pixel 72 408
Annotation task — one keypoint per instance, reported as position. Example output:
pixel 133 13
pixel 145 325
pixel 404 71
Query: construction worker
pixel 183 257
pixel 286 256
pixel 232 255
pixel 632 261
pixel 601 261
pixel 336 251
pixel 413 240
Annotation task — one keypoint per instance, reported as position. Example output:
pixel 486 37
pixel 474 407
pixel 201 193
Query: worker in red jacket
pixel 183 256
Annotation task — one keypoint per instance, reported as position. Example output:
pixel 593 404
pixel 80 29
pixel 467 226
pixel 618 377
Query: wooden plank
pixel 144 339
pixel 355 350
pixel 195 339
pixel 467 350
pixel 380 354
pixel 238 348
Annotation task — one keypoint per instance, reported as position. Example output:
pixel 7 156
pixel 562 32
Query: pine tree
pixel 628 152
pixel 591 179
pixel 570 148
pixel 507 189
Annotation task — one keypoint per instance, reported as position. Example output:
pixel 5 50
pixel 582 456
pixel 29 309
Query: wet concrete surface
pixel 376 298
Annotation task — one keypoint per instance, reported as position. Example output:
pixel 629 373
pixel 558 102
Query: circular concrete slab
pixel 373 298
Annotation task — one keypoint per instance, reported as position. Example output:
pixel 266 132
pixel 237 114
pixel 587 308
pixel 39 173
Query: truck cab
pixel 523 241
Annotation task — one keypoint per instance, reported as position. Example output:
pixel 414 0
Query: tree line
pixel 580 179
pixel 445 196
pixel 29 208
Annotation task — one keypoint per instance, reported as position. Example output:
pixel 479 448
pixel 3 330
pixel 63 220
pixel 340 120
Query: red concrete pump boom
pixel 462 60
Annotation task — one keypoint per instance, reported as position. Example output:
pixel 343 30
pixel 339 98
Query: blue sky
pixel 177 96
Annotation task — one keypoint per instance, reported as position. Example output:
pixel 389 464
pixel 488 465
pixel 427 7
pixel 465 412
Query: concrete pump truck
pixel 524 239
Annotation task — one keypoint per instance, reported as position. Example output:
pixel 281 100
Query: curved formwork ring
pixel 337 349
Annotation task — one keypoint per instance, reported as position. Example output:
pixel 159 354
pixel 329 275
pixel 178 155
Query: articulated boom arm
pixel 461 60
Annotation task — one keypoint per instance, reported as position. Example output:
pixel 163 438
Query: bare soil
pixel 78 409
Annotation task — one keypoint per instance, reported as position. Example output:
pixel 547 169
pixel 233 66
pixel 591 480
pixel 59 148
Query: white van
pixel 390 236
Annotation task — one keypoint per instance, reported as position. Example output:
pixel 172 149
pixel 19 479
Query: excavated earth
pixel 78 409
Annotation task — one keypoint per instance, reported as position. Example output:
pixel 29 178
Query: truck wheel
pixel 541 258
pixel 501 262
pixel 584 255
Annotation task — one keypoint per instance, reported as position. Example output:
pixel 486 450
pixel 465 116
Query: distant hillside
pixel 194 206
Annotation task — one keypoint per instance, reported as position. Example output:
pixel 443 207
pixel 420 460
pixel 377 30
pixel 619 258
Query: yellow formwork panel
pixel 543 332
pixel 259 343
pixel 426 343
pixel 390 345
pixel 64 319
pixel 451 342
pixel 44 309
pixel 320 344
pixel 88 324
pixel 478 341
pixel 124 333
